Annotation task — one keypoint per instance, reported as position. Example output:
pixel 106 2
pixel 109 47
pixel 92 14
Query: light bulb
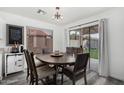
pixel 57 20
pixel 61 17
pixel 53 17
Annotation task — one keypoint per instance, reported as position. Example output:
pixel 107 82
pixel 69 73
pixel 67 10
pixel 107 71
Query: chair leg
pixel 27 77
pixel 62 79
pixel 32 83
pixel 47 78
pixel 36 82
pixel 31 80
pixel 27 74
pixel 85 78
pixel 62 75
pixel 56 73
pixel 73 82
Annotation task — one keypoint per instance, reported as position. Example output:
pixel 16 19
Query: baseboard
pixel 116 78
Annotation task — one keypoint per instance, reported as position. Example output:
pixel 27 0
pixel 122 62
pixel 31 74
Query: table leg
pixel 56 74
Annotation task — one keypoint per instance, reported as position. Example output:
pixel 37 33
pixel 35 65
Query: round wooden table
pixel 56 61
pixel 62 60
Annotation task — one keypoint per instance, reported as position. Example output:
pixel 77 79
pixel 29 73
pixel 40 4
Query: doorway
pixel 88 39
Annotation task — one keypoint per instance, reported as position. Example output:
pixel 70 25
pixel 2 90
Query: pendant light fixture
pixel 57 16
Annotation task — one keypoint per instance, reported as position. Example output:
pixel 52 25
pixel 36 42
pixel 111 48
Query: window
pixel 74 35
pixel 74 38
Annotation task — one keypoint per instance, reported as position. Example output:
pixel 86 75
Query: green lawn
pixel 93 53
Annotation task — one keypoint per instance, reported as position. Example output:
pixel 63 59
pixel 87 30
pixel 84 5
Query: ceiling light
pixel 41 12
pixel 57 15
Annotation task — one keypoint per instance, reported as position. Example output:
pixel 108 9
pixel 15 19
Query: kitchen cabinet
pixel 14 62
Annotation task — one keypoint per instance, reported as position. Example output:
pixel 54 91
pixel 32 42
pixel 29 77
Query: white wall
pixel 59 39
pixel 115 18
pixel 7 18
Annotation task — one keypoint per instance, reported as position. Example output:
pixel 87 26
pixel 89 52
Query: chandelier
pixel 57 15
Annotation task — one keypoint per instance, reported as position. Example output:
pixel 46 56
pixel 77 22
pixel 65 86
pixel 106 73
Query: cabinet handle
pixel 19 65
pixel 15 62
pixel 19 60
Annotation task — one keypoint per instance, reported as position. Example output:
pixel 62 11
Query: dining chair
pixel 28 63
pixel 78 70
pixel 26 53
pixel 46 51
pixel 69 50
pixel 74 50
pixel 41 72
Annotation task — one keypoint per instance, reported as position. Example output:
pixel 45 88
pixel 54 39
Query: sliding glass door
pixel 94 53
pixel 87 38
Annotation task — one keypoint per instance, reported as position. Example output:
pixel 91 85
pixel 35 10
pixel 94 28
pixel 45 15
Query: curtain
pixel 103 48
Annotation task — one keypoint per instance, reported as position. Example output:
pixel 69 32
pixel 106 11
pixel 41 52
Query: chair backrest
pixel 27 58
pixel 33 66
pixel 46 50
pixel 75 50
pixel 69 50
pixel 30 63
pixel 81 62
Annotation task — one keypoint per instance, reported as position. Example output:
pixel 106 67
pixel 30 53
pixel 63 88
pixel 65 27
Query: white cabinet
pixel 14 62
pixel 19 62
pixel 10 64
pixel 0 66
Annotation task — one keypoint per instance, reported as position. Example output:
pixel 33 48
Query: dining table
pixel 56 60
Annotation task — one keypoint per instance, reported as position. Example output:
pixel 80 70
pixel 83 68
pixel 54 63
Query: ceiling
pixel 70 14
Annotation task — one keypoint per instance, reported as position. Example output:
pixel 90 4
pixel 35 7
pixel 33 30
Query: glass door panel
pixel 94 38
pixel 85 39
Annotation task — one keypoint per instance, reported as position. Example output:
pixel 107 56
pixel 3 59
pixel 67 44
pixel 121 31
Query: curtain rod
pixel 83 24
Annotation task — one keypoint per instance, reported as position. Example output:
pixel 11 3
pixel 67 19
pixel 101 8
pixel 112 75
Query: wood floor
pixel 92 77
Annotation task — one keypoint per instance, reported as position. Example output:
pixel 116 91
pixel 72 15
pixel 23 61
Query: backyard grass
pixel 93 53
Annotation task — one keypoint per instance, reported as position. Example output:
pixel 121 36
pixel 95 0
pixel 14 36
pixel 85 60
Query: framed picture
pixel 15 34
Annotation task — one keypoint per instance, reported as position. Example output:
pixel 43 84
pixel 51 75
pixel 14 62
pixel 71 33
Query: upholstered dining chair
pixel 40 64
pixel 77 71
pixel 41 72
pixel 28 64
pixel 47 50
